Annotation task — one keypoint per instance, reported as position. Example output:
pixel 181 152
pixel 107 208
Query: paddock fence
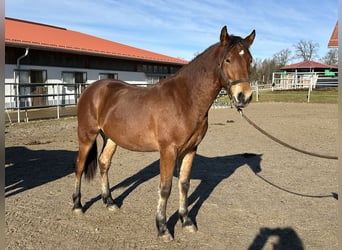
pixel 300 87
pixel 32 101
pixel 35 101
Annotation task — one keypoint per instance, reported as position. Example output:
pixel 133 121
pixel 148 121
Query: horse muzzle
pixel 242 99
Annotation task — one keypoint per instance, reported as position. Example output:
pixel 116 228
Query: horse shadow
pixel 287 238
pixel 211 171
pixel 26 168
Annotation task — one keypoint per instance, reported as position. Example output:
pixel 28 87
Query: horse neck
pixel 200 78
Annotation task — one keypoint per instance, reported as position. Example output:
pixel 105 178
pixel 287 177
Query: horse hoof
pixel 191 228
pixel 78 211
pixel 113 207
pixel 166 237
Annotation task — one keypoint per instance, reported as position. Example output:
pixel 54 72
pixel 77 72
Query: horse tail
pixel 91 163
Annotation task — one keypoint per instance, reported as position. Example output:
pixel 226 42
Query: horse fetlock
pixel 77 208
pixel 107 199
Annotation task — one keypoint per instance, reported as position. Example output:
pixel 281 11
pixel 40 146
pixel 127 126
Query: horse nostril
pixel 241 97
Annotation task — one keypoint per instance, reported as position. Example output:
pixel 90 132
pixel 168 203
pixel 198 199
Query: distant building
pixel 50 55
pixel 309 66
pixel 333 41
pixel 306 74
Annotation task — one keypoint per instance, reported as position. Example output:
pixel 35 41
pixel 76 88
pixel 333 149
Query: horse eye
pixel 227 60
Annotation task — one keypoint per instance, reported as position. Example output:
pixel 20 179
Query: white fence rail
pixel 24 101
pixel 28 96
pixel 299 80
pixel 21 99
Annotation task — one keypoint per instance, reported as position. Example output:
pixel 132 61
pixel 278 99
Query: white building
pixel 46 64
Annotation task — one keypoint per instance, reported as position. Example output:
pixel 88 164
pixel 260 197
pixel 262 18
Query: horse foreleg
pixel 184 184
pixel 104 164
pixel 167 164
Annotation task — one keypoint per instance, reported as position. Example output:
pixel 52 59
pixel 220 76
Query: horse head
pixel 234 67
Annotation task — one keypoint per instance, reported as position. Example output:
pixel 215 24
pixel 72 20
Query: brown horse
pixel 170 117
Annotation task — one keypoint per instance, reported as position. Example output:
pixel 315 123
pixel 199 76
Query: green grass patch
pixel 295 96
pixel 298 96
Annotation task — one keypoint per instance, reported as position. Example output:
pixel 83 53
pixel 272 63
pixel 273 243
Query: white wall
pixel 54 76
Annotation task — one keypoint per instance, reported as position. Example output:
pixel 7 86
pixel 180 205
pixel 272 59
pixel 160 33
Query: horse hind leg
pixel 85 162
pixel 184 184
pixel 105 159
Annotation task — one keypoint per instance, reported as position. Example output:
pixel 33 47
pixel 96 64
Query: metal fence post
pixel 57 105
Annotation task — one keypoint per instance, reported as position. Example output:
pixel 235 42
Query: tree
pixel 331 57
pixel 261 70
pixel 282 57
pixel 306 50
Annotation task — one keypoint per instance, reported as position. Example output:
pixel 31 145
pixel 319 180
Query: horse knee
pixel 165 190
pixel 184 186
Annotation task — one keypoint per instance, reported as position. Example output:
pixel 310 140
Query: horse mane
pixel 232 41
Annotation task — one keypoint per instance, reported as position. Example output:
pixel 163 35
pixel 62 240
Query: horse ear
pixel 249 39
pixel 224 37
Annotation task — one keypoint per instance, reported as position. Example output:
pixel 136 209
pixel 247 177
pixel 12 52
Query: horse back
pixel 142 118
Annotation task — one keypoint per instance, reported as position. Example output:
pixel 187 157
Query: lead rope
pixel 284 143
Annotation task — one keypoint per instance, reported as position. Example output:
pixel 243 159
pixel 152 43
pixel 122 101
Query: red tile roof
pixel 20 32
pixel 309 65
pixel 333 42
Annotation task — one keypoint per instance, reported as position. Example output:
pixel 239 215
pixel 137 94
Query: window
pixel 74 85
pixel 32 91
pixel 152 79
pixel 108 76
pixel 74 77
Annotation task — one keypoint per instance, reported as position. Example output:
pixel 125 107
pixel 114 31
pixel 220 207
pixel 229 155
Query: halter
pixel 229 83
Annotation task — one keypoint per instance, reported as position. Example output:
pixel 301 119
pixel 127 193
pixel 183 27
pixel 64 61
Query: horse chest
pixel 196 136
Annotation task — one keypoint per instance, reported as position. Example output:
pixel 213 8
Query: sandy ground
pixel 247 192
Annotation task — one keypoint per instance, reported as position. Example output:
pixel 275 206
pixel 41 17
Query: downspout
pixel 21 57
pixel 18 82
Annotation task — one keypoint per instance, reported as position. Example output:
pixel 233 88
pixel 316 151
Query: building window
pixel 108 76
pixel 152 79
pixel 74 83
pixel 32 91
pixel 74 77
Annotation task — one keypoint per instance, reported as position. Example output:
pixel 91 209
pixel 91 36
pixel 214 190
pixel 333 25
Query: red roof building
pixel 42 36
pixel 333 41
pixel 42 61
pixel 308 66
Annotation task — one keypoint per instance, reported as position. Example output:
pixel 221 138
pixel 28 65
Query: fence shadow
pixel 211 171
pixel 286 238
pixel 26 168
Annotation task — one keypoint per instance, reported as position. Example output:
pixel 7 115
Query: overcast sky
pixel 181 28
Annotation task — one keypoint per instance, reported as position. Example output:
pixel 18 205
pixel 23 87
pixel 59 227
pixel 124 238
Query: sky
pixel 184 28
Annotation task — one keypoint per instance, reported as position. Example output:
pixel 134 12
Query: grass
pixel 316 96
pixel 295 96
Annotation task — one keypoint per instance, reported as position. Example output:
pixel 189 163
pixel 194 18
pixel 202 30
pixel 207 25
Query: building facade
pixel 47 65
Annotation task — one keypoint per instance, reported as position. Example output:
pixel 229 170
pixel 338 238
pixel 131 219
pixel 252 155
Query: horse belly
pixel 137 142
pixel 132 134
